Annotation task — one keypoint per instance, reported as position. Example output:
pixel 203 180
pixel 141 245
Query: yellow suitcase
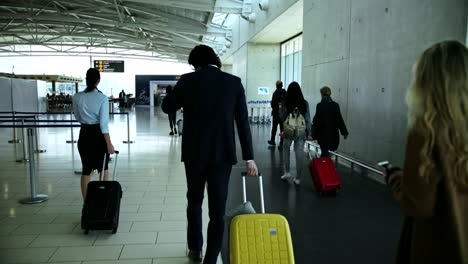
pixel 260 238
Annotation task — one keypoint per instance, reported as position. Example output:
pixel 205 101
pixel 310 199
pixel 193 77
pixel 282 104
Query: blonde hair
pixel 438 109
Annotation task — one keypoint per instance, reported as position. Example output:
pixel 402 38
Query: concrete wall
pixel 258 65
pixel 364 50
pixel 227 68
pixel 243 31
pixel 263 66
pixel 239 68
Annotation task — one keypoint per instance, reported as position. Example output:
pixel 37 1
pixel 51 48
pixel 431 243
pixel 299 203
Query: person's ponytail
pixel 92 76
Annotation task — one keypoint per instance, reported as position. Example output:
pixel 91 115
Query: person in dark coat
pixel 276 103
pixel 172 115
pixel 213 101
pixel 328 123
pixel 122 98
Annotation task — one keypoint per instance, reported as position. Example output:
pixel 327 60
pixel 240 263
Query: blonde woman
pixel 432 188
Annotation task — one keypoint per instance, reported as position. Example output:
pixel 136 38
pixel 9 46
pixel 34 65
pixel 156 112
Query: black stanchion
pixel 23 141
pixel 38 150
pixel 128 141
pixel 72 141
pixel 15 136
pixel 35 198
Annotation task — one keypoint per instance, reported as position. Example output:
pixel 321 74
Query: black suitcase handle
pixel 101 175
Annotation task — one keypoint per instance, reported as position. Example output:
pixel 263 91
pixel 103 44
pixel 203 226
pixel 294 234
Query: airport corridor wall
pixel 364 50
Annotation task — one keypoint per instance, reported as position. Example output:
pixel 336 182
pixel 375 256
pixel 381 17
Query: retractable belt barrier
pixel 351 160
pixel 26 114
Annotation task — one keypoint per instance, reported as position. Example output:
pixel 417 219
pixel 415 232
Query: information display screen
pixel 109 65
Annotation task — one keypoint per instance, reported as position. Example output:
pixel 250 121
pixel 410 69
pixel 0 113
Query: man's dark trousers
pixel 216 177
pixel 325 151
pixel 274 129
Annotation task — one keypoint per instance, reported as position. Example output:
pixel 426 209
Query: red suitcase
pixel 324 175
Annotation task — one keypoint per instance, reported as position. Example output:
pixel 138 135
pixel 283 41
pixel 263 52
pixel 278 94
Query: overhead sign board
pixel 109 65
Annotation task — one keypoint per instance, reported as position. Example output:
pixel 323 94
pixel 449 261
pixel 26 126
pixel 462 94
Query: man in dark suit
pixel 276 103
pixel 212 102
pixel 122 98
pixel 327 123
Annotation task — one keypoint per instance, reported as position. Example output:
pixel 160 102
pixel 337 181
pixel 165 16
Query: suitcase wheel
pixel 86 231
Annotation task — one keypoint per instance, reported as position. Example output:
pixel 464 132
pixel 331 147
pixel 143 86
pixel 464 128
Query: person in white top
pixel 91 109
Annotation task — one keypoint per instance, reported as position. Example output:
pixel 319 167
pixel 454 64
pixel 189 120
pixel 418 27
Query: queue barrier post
pixel 35 198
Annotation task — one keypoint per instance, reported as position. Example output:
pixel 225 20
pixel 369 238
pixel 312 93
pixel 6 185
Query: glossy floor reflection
pixel 341 229
pixel 152 219
pixel 360 224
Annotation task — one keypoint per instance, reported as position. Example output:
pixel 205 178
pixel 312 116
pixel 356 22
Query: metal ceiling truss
pixel 158 29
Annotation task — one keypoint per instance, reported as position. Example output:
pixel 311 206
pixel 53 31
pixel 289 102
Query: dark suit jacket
pixel 213 101
pixel 278 95
pixel 326 124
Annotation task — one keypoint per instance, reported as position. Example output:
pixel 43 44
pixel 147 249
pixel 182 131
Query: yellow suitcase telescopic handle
pixel 260 184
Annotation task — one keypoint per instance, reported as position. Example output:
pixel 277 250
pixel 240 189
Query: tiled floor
pixel 336 229
pixel 152 219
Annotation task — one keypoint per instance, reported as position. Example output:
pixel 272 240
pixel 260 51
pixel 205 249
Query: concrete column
pixel 364 50
pixel 258 65
pixel 227 68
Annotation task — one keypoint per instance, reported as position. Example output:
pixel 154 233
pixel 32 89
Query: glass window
pixel 297 66
pixel 283 68
pixel 291 61
pixel 289 70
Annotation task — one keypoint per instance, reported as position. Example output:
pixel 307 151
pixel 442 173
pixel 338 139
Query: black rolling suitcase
pixel 102 204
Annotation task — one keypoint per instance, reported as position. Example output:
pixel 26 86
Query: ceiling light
pixel 252 18
pixel 264 5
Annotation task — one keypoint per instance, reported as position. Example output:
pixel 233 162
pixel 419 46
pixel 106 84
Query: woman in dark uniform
pixel 91 109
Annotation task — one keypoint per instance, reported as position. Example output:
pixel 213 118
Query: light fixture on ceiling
pixel 252 17
pixel 264 5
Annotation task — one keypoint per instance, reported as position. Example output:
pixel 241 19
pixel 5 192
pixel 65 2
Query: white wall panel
pixel 5 91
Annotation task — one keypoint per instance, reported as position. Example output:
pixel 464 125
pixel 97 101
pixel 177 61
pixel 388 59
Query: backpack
pixel 281 99
pixel 278 101
pixel 294 125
